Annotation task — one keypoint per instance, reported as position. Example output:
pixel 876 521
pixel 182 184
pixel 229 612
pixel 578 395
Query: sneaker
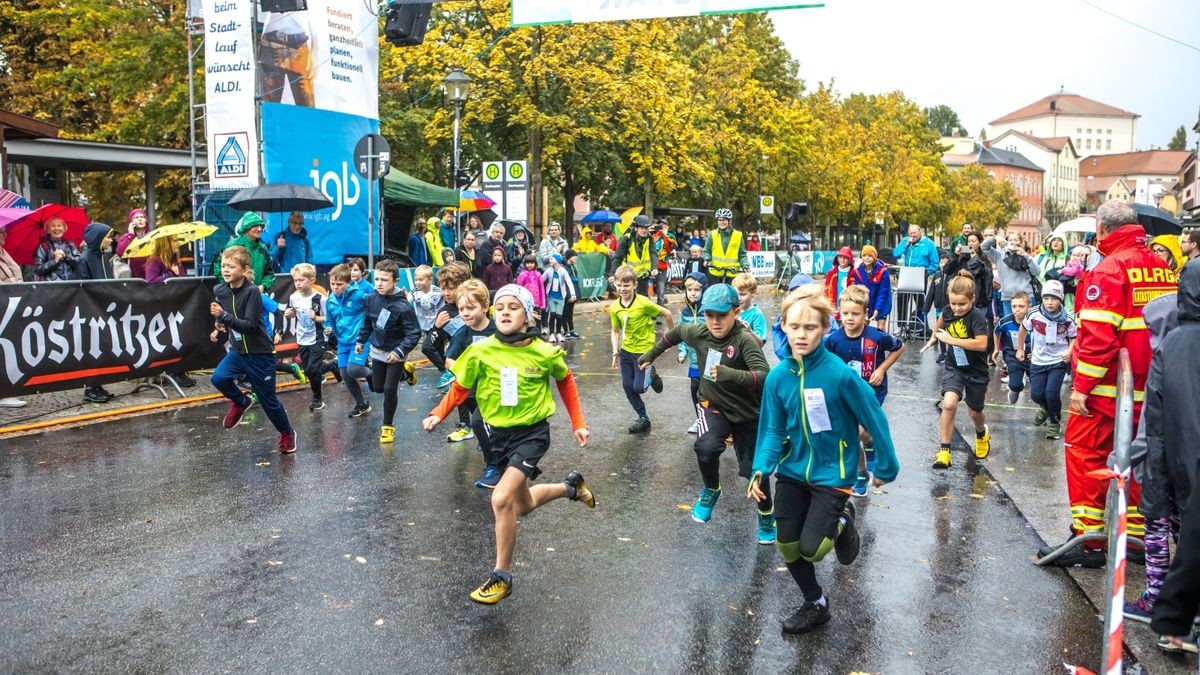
pixel 1040 418
pixel 942 459
pixel 846 545
pixel 573 335
pixel 298 373
pixel 766 528
pixel 641 426
pixel 461 433
pixel 695 428
pixel 551 338
pixel 1188 645
pixel 235 413
pixel 578 491
pixel 1139 610
pixel 1080 556
pixel 14 403
pixel 809 616
pixel 703 508
pixel 656 382
pixel 184 380
pixel 360 409
pixel 492 591
pixel 941 358
pixel 287 442
pixel 1054 430
pixel 983 445
pixel 870 453
pixel 1135 556
pixel 1003 372
pixel 559 337
pixel 445 380
pixel 96 395
pixel 489 479
pixel 387 434
pixel 1013 395
pixel 410 374
pixel 316 405
pixel 860 484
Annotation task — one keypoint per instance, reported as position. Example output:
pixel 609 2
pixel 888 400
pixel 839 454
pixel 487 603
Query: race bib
pixel 818 414
pixel 713 360
pixel 384 315
pixel 857 366
pixel 508 387
pixel 960 356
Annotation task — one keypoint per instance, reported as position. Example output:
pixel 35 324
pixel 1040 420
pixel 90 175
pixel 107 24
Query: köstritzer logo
pixel 231 159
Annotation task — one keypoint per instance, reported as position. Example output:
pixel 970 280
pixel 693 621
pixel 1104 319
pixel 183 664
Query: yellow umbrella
pixel 183 232
pixel 627 217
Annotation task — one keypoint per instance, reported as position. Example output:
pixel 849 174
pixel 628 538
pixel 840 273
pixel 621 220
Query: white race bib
pixel 856 366
pixel 384 315
pixel 713 360
pixel 960 356
pixel 508 387
pixel 818 414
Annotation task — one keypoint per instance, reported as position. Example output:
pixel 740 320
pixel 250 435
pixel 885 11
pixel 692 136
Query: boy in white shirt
pixel 1052 329
pixel 308 308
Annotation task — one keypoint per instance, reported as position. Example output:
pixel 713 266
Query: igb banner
pixel 59 335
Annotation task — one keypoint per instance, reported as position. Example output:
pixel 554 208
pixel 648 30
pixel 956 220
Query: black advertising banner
pixel 58 335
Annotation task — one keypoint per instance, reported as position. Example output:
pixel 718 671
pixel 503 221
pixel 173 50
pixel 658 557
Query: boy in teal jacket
pixel 819 402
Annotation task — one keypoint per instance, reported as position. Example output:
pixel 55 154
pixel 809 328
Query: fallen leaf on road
pixel 412 410
pixel 262 464
pixel 251 620
pixel 749 613
pixel 410 524
pixel 1009 468
pixel 881 506
pixel 684 507
pixel 549 549
pixel 350 499
pixel 379 622
pixel 429 558
pixel 360 560
pixel 624 539
pixel 945 497
pixel 879 492
pixel 922 560
pixel 273 563
pixel 975 495
pixel 346 556
pixel 781 569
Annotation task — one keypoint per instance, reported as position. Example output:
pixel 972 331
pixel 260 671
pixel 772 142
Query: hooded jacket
pixel 261 261
pixel 433 242
pixel 344 314
pixel 1171 243
pixel 924 253
pixel 819 402
pixel 296 250
pixel 95 263
pixel 1172 389
pixel 879 282
pixel 44 265
pixel 1049 261
pixel 1012 280
pixel 833 290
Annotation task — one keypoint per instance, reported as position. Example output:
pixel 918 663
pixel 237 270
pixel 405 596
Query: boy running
pixel 238 310
pixel 964 330
pixel 344 320
pixel 693 290
pixel 1008 337
pixel 510 373
pixel 816 401
pixel 446 322
pixel 747 286
pixel 730 389
pixel 477 326
pixel 390 326
pixel 871 352
pixel 633 317
pixel 307 307
pixel 1052 329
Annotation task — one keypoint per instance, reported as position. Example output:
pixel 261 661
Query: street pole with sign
pixel 457 86
pixel 372 158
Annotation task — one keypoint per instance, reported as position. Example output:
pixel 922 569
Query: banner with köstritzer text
pixel 229 122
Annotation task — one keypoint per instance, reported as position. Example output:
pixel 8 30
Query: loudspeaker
pixel 283 5
pixel 407 23
pixel 796 211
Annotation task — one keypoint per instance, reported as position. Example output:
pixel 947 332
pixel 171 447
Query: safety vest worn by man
pixel 639 262
pixel 725 261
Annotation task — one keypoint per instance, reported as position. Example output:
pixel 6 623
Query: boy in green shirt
pixel 731 380
pixel 633 318
pixel 510 372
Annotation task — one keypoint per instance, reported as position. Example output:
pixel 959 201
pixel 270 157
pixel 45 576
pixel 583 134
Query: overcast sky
pixel 988 58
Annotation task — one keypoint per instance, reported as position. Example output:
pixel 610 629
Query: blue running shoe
pixel 860 484
pixel 703 508
pixel 489 479
pixel 870 453
pixel 445 380
pixel 766 528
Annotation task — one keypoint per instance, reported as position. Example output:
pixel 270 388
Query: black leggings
pixel 434 348
pixel 385 377
pixel 568 316
pixel 807 521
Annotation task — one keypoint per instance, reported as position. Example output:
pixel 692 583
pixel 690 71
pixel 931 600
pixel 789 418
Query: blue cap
pixel 799 280
pixel 719 298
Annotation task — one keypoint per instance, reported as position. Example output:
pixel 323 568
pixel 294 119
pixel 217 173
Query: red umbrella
pixel 26 228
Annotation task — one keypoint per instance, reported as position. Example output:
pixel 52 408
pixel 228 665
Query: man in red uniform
pixel 1109 301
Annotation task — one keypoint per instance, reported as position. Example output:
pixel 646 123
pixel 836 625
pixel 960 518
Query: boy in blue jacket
pixel 822 415
pixel 343 321
pixel 389 332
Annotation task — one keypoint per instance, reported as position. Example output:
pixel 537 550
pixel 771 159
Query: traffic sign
pixel 766 205
pixel 372 156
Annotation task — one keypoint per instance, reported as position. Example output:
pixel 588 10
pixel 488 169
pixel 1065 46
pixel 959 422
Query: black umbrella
pixel 280 197
pixel 1156 221
pixel 486 217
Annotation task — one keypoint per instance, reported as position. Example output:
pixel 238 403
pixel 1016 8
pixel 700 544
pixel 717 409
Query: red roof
pixel 1065 104
pixel 1053 144
pixel 1150 162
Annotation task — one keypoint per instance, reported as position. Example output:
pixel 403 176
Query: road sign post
pixel 372 159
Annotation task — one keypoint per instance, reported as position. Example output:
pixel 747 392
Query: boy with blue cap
pixel 732 376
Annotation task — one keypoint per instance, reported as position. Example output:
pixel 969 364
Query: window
pixel 1108 143
pixel 1089 132
pixel 1079 131
pixel 1108 131
pixel 1079 141
pixel 1089 144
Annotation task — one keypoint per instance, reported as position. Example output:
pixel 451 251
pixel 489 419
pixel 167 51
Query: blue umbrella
pixel 601 216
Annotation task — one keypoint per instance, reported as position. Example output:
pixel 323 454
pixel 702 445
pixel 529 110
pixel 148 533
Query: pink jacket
pixel 532 279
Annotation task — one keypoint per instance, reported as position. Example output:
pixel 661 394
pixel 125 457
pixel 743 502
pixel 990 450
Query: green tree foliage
pixel 943 118
pixel 1179 140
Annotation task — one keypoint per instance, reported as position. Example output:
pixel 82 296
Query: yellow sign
pixel 491 170
pixel 516 170
pixel 766 205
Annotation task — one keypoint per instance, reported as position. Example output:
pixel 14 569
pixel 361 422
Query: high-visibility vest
pixel 640 263
pixel 726 260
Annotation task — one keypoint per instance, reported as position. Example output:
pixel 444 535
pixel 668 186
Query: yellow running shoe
pixel 410 374
pixel 492 591
pixel 387 434
pixel 942 459
pixel 983 445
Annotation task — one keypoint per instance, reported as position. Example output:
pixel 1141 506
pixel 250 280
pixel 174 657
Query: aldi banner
pixel 536 12
pixel 59 335
pixel 230 126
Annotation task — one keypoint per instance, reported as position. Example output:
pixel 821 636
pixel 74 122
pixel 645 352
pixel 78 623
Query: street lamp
pixel 457 87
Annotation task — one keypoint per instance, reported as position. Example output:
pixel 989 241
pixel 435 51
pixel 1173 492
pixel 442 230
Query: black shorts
pixel 715 427
pixel 970 388
pixel 521 447
pixel 816 507
pixel 312 358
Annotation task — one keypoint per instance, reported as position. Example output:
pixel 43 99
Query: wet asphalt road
pixel 164 543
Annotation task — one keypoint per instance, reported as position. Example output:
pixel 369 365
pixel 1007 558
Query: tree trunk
pixel 568 226
pixel 648 194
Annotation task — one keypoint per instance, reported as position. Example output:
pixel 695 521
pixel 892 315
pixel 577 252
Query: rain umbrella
pixel 12 200
pixel 486 217
pixel 601 216
pixel 280 197
pixel 627 217
pixel 1157 221
pixel 26 228
pixel 471 200
pixel 184 233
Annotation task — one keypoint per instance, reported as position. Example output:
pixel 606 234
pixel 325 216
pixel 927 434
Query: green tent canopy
pixel 401 188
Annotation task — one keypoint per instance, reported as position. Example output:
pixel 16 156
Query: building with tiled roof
pixel 1013 168
pixel 1095 128
pixel 1059 162
pixel 1148 174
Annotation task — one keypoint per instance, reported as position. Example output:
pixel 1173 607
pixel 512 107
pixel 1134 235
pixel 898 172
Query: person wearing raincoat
pixel 433 242
pixel 249 236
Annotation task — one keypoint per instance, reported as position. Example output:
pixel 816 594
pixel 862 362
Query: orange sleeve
pixel 570 398
pixel 450 401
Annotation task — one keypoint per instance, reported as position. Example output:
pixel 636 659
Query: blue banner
pixel 316 147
